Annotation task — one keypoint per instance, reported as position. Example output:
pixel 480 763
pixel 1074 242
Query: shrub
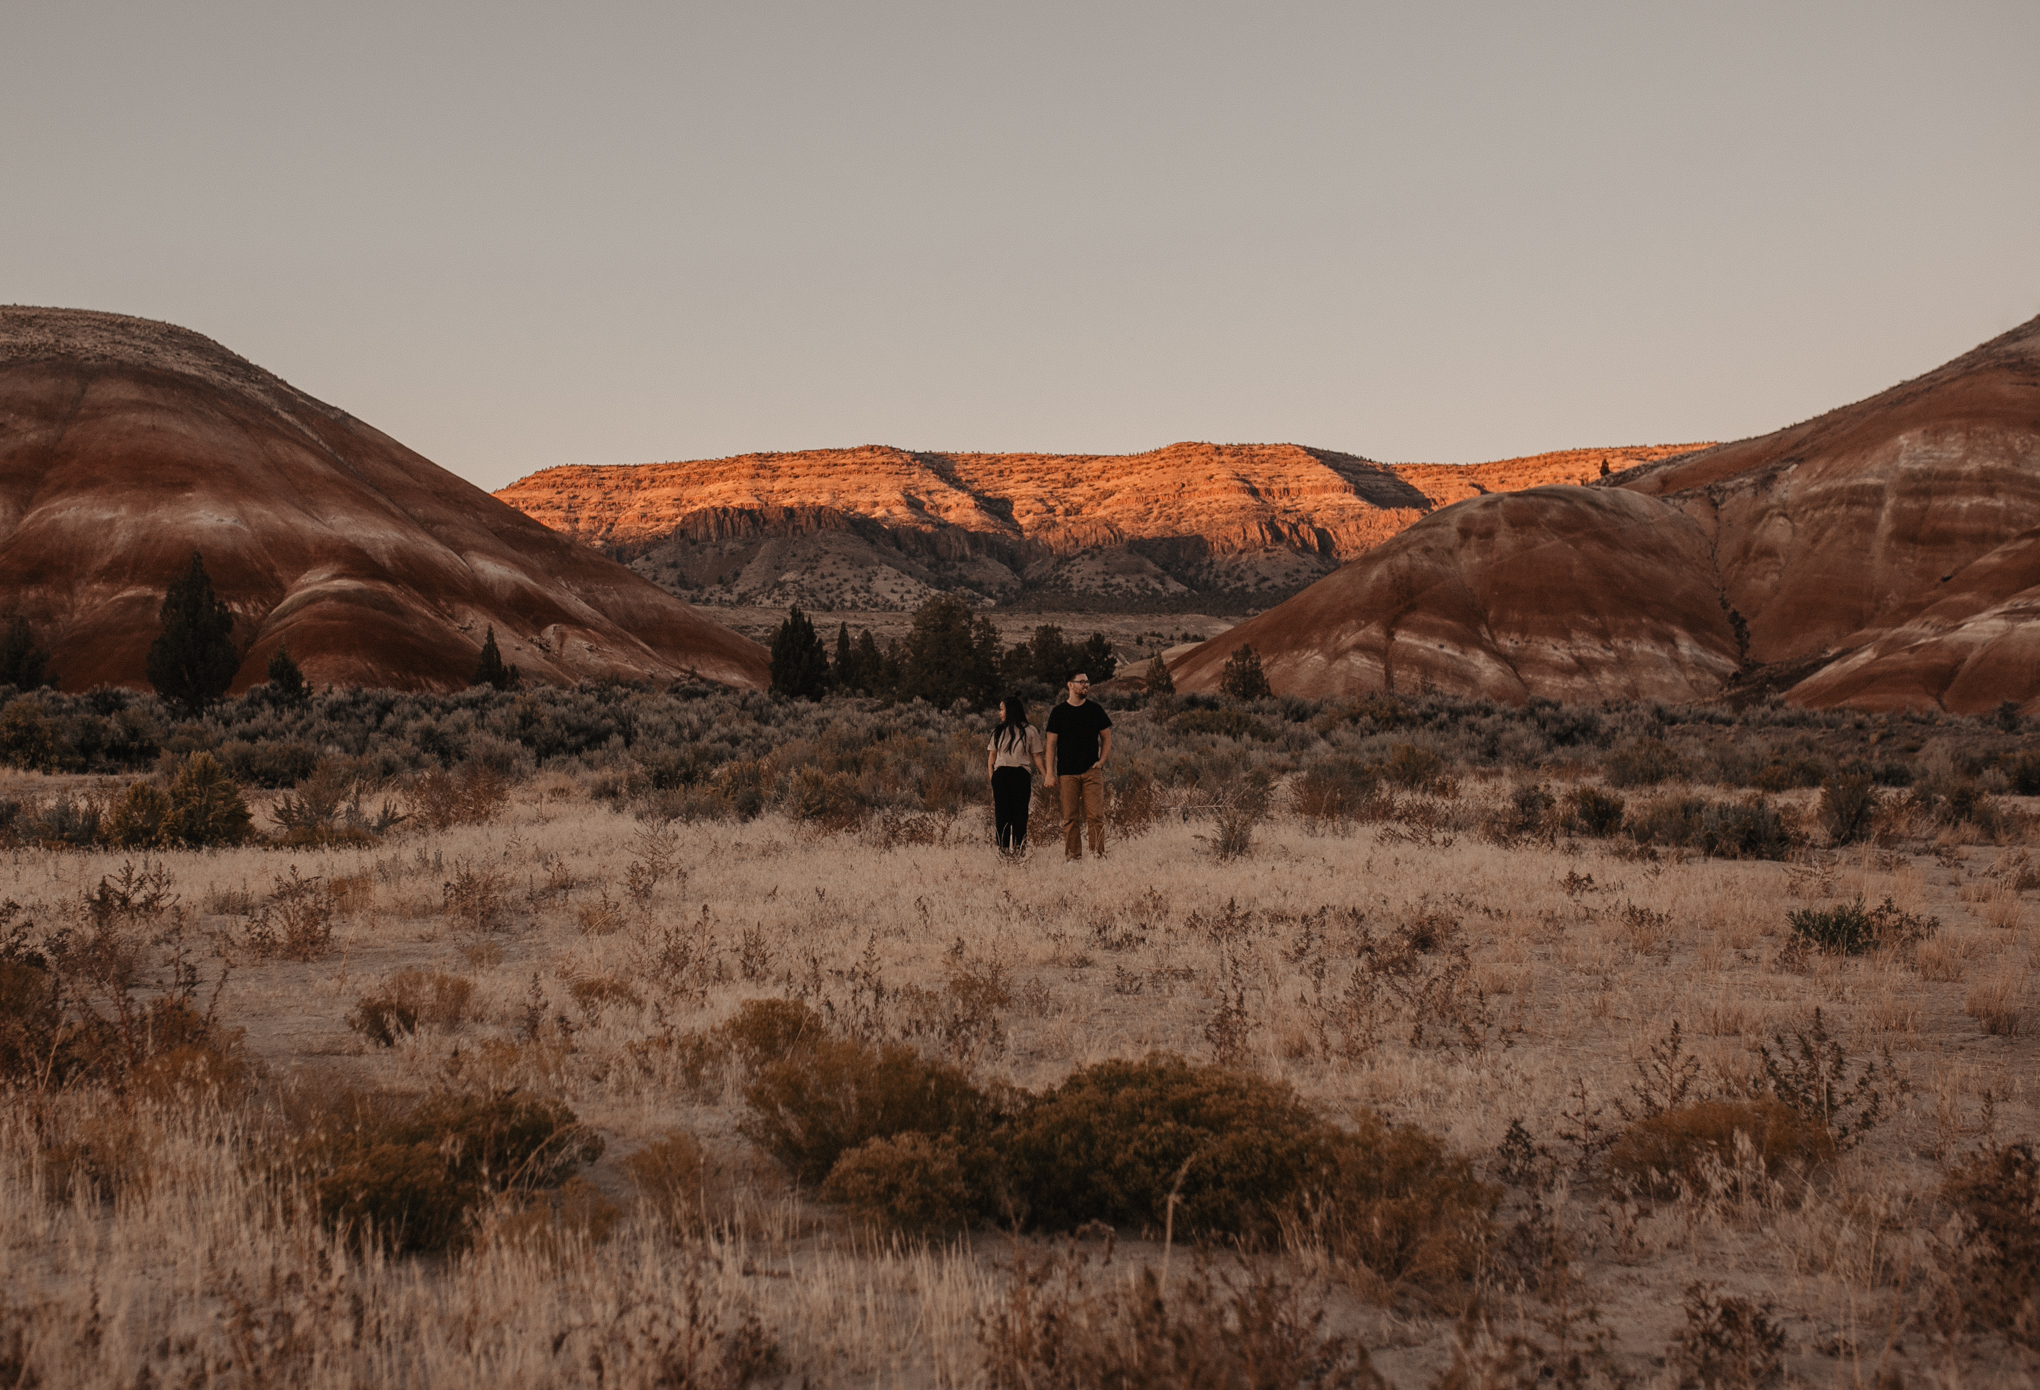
pixel 1848 929
pixel 409 1000
pixel 140 819
pixel 1663 1150
pixel 1643 762
pixel 297 921
pixel 808 1108
pixel 1052 1331
pixel 269 763
pixel 1848 804
pixel 1118 1141
pixel 1809 1073
pixel 1223 723
pixel 671 1176
pixel 471 795
pixel 1748 829
pixel 1727 1342
pixel 1999 1004
pixel 1591 811
pixel 206 808
pixel 1412 765
pixel 1334 789
pixel 412 1181
pixel 763 1031
pixel 910 1182
pixel 1404 1214
pixel 28 737
pixel 1996 1261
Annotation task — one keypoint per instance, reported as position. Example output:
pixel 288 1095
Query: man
pixel 1079 742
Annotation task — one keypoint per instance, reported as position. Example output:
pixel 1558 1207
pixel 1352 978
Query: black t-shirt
pixel 1076 729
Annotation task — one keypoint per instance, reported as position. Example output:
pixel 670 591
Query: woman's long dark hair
pixel 1012 729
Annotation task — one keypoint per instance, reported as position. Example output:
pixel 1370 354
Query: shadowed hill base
pixel 125 444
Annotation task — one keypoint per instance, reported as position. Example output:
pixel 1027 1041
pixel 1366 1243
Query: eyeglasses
pixel 1079 682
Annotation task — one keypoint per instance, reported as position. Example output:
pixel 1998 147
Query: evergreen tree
pixel 1243 678
pixel 192 661
pixel 287 685
pixel 951 654
pixel 873 676
pixel 1096 659
pixel 489 668
pixel 1159 681
pixel 22 662
pixel 844 670
pixel 800 664
pixel 1051 659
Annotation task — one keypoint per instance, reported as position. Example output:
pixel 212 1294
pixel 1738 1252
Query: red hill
pixel 125 444
pixel 1885 555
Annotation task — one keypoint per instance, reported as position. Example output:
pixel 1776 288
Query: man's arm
pixel 1104 745
pixel 1049 771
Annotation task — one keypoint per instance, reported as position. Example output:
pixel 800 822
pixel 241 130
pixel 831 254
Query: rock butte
pixel 809 527
pixel 125 444
pixel 1883 556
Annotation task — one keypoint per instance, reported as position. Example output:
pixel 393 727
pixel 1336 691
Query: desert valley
pixel 1566 920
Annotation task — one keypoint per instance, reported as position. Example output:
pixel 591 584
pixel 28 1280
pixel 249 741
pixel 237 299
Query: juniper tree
pixel 192 661
pixel 1159 681
pixel 800 664
pixel 1243 678
pixel 287 685
pixel 489 668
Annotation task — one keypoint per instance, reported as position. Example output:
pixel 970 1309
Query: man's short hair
pixel 1075 674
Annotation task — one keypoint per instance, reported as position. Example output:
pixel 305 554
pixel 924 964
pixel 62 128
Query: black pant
pixel 1012 789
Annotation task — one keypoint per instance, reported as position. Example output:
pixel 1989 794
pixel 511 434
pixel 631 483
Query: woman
pixel 1011 758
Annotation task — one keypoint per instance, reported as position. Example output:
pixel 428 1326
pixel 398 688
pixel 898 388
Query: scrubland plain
pixel 1700 1149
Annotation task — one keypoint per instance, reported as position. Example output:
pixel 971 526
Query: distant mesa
pixel 125 444
pixel 1883 556
pixel 1218 526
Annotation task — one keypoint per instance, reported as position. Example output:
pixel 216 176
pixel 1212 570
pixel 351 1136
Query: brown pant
pixel 1088 790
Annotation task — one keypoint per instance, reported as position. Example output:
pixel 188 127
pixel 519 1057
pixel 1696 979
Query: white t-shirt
pixel 1016 752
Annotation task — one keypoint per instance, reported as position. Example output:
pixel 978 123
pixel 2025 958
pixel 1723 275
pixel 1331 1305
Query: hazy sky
pixel 515 235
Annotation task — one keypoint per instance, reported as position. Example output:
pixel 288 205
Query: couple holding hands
pixel 1079 741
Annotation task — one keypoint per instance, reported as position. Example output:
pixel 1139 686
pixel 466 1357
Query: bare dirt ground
pixel 613 934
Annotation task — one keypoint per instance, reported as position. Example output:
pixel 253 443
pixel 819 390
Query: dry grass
pixel 1410 969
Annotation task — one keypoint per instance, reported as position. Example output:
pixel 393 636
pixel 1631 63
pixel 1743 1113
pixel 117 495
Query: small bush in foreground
pixel 1591 811
pixel 907 1182
pixel 409 1000
pixel 809 1108
pixel 1849 929
pixel 206 808
pixel 412 1180
pixel 1728 1342
pixel 671 1175
pixel 1403 1215
pixel 1054 1331
pixel 1676 1146
pixel 1996 1194
pixel 1121 1141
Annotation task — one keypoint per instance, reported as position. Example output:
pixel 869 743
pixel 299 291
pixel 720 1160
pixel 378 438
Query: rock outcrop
pixel 883 527
pixel 1885 555
pixel 126 444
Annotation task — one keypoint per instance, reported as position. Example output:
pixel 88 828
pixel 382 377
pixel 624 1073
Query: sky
pixel 515 235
